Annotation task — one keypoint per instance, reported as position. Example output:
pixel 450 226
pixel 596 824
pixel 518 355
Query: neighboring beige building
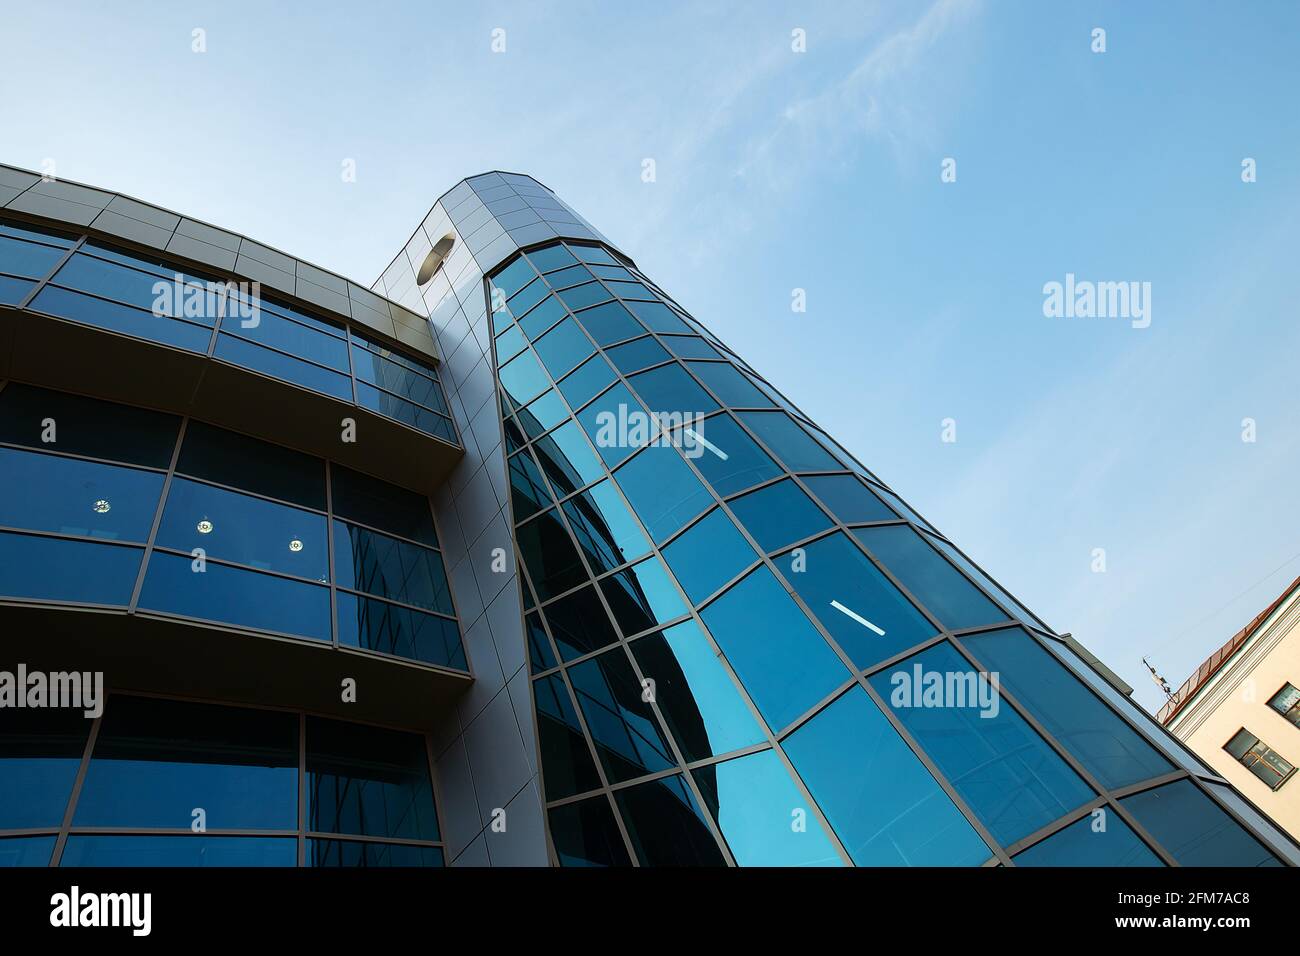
pixel 1240 711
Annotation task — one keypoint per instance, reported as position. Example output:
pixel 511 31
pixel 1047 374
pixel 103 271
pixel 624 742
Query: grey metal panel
pixel 133 230
pixel 259 271
pixel 200 251
pixel 209 234
pixel 325 298
pixel 143 212
pixel 52 207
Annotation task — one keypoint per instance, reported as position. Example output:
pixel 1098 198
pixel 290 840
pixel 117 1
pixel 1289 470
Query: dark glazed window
pixel 48 568
pixel 1261 759
pixel 352 853
pixel 668 389
pixel 848 498
pixel 565 758
pixel 642 596
pixel 86 426
pixel 528 491
pixel 605 529
pixel 40 752
pixel 70 496
pixel 637 354
pixel 699 701
pixel 610 323
pixel 622 725
pixel 666 826
pixel 368 781
pixel 391 629
pixel 730 385
pixel 886 807
pixel 26 851
pixel 789 442
pixel 381 505
pixel 1287 703
pixel 366 560
pixel 777 653
pixel 155 761
pixel 1006 773
pixel 549 555
pixel 585 834
pixel 579 623
pixel 1083 844
pixel 228 458
pixel 1194 829
pixel 540 656
pixel 568 459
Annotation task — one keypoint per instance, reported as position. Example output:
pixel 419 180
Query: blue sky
pixel 778 170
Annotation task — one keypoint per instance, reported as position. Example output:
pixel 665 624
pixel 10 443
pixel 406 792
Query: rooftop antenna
pixel 1159 680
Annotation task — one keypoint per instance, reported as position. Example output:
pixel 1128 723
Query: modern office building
pixel 1240 710
pixel 503 560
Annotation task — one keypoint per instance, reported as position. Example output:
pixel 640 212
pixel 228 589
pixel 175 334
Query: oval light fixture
pixel 205 526
pixel 295 545
pixel 101 506
pixel 433 261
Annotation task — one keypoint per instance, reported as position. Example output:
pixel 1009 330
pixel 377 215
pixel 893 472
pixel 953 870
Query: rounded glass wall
pixel 747 650
pixel 119 507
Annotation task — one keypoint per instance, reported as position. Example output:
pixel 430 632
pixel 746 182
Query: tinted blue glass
pixel 616 424
pixel 591 254
pixel 642 596
pixel 935 583
pixel 666 826
pixel 657 317
pixel 35 233
pixel 637 354
pixel 605 529
pixel 549 555
pixel 1082 844
pixel 754 801
pixel 777 653
pixel 156 760
pixel 245 598
pixel 622 725
pixel 708 555
pixel 523 378
pixel 368 781
pixel 375 625
pixel 631 290
pixel 197 850
pixel 543 414
pixel 610 323
pixel 377 564
pixel 563 348
pixel 514 277
pixel 728 458
pixel 1194 829
pixel 579 624
pixel 280 366
pixel 886 807
pixel 566 758
pixel 70 496
pixel 510 343
pixel 397 378
pixel 901 507
pixel 584 382
pixel 86 426
pixel 550 311
pixel 349 853
pixel 730 385
pixel 528 493
pixel 669 389
pixel 789 442
pixel 120 318
pixel 26 851
pixel 690 347
pixel 552 257
pixel 585 834
pixel 540 656
pixel 40 752
pixel 381 505
pixel 705 713
pixel 848 498
pixel 417 416
pixel 779 514
pixel 48 568
pixel 21 258
pixel 13 291
pixel 527 297
pixel 984 580
pixel 612 272
pixel 143 289
pixel 865 614
pixel 307 343
pixel 573 275
pixel 1005 772
pixel 1111 750
pixel 662 490
pixel 580 296
pixel 567 459
pixel 247 530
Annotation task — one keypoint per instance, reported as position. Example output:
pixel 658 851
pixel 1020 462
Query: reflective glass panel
pixel 1194 829
pixel 40 753
pixel 662 490
pixel 848 498
pixel 730 385
pixel 26 851
pixel 563 348
pixel 642 596
pixel 728 458
pixel 789 442
pixel 190 850
pixel 368 561
pixel 616 424
pixel 376 625
pixel 49 568
pixel 86 426
pixel 666 826
pixel 549 555
pixel 238 461
pixel 622 725
pixel 579 624
pixel 779 515
pixel 585 382
pixel 708 555
pixel 351 853
pixel 605 529
pixel 668 389
pixel 585 834
pixel 70 496
pixel 370 501
pixel 1082 844
pixel 610 323
pixel 566 758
